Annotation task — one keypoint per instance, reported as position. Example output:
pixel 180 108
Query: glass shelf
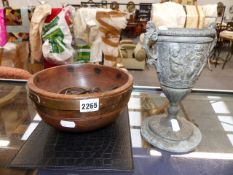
pixel 211 111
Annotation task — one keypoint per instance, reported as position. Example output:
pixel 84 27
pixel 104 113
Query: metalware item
pixel 179 56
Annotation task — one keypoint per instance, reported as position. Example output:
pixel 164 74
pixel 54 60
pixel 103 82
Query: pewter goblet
pixel 179 56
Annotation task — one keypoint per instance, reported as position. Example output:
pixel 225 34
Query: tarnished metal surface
pixel 179 56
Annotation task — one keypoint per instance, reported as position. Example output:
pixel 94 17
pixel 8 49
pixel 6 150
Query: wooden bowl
pixel 80 97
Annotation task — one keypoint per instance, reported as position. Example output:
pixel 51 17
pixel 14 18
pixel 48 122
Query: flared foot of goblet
pixel 173 135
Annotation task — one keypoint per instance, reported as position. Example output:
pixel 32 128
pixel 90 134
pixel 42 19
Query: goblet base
pixel 181 140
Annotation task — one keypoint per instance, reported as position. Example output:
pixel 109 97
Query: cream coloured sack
pixel 168 14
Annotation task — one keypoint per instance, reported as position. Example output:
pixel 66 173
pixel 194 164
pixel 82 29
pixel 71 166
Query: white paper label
pixel 175 125
pixel 67 124
pixel 89 105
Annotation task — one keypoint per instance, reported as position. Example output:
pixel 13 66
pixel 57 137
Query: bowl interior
pixel 80 79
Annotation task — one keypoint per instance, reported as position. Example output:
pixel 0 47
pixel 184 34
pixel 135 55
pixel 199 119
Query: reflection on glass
pixel 212 112
pixel 230 137
pixel 226 122
pixel 219 107
pixel 135 120
pixel 14 115
pixel 29 131
pixel 37 118
pixel 4 143
pixel 136 138
pixel 31 127
pixel 134 103
pixel 207 155
pixel 155 153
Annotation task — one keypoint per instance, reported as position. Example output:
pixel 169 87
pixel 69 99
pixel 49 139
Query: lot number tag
pixel 89 105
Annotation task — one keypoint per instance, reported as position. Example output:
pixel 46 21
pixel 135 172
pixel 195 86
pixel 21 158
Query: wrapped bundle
pixel 111 24
pixel 168 14
pixel 210 12
pixel 195 17
pixel 37 21
pixel 201 15
pixel 86 30
pixel 192 16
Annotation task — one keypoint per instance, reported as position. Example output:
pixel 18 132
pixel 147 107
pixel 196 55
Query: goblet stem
pixel 171 121
pixel 173 110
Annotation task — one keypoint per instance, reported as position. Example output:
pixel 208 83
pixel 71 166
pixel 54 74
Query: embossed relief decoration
pixel 182 63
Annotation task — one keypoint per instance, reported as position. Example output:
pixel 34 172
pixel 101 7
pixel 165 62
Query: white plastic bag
pixel 57 39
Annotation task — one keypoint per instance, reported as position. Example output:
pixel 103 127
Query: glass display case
pixel 210 111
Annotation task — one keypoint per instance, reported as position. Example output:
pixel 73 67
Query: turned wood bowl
pixel 81 97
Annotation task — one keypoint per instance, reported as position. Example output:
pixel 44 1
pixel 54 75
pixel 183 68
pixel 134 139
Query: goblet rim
pixel 190 32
